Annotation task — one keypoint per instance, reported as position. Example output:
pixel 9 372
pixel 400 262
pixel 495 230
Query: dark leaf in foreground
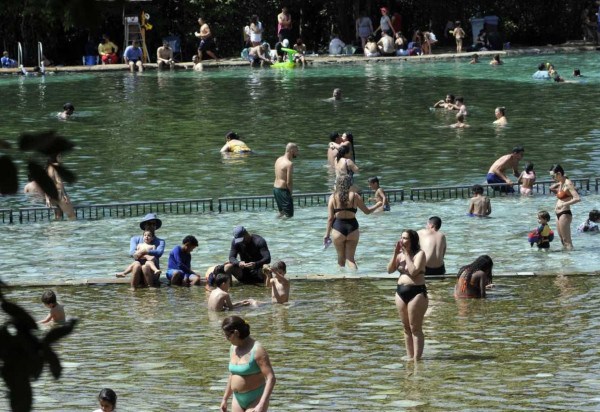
pixel 21 319
pixel 9 183
pixel 39 175
pixel 66 174
pixel 48 143
pixel 59 332
pixel 53 363
pixel 4 144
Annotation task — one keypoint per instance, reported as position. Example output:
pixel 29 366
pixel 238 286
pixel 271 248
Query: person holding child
pixel 144 257
pixel 275 278
pixel 57 311
pixel 180 263
pixel 251 377
pixel 566 196
pixel 143 273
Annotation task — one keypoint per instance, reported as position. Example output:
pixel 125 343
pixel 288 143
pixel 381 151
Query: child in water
pixel 479 205
pixel 108 401
pixel 591 224
pixel 527 179
pixel 149 259
pixel 219 298
pixel 57 311
pixel 543 235
pixel 379 195
pixel 69 109
pixel 275 278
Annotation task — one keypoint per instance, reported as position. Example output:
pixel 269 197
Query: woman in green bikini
pixel 251 377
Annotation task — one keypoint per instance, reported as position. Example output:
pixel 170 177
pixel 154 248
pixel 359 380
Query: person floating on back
pixel 57 311
pixel 275 278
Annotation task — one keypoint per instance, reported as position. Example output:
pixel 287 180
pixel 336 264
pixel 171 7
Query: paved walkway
pixel 324 60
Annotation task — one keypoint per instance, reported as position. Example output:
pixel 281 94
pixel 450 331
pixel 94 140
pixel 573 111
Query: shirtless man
pixel 206 44
pixel 257 55
pixel 496 172
pixel 282 187
pixel 479 205
pixel 164 56
pixel 284 24
pixel 334 144
pixel 337 95
pixel 433 243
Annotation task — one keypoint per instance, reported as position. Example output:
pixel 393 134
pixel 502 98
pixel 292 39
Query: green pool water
pixel 337 347
pixel 157 136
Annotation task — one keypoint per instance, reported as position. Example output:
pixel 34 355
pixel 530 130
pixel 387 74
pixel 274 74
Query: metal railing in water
pixel 233 204
pixel 466 191
pixel 19 54
pixel 246 203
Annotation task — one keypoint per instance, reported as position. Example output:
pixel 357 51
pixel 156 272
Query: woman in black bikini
pixel 567 196
pixel 342 226
pixel 411 292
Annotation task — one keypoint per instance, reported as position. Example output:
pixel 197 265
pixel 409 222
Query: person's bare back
pixel 480 206
pixel 219 300
pixel 283 173
pixel 434 245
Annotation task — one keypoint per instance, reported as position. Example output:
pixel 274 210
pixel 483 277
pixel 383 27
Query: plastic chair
pixel 175 45
pixel 90 60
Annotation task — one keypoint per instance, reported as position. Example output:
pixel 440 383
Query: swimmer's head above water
pixel 337 94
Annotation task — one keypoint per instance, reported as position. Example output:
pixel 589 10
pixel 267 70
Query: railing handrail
pixel 19 54
pixel 40 55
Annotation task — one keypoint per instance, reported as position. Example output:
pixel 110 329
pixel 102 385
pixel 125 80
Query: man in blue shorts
pixel 496 172
pixel 133 56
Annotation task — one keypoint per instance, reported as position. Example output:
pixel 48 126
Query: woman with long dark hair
pixel 566 196
pixel 473 279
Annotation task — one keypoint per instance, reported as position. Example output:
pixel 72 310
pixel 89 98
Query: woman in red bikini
pixel 567 196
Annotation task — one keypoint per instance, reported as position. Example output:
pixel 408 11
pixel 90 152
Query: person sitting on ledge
pixel 108 51
pixel 133 56
pixel 164 56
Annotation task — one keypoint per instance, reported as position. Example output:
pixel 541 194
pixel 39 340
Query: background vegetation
pixel 63 26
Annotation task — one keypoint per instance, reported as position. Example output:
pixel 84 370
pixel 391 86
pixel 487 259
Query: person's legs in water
pixel 351 245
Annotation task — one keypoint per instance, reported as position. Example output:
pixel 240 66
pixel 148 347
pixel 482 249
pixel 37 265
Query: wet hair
pixel 333 136
pixel 477 189
pixel 279 266
pixel 371 38
pixel 342 188
pixel 542 214
pixel 517 149
pixel 502 110
pixel 451 96
pixel 460 117
pixel 233 323
pixel 374 179
pixel 542 66
pixel 594 215
pixel 483 263
pixel 191 240
pixel 436 222
pixel 576 72
pixel 49 297
pixel 69 107
pixel 231 135
pixel 475 56
pixel 497 57
pixel 108 395
pixel 557 169
pixel 413 236
pixel 221 278
pixel 460 99
pixel 342 151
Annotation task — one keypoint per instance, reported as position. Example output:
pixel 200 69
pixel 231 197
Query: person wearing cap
pixel 234 144
pixel 68 111
pixel 282 187
pixel 142 274
pixel 257 55
pixel 385 23
pixel 253 254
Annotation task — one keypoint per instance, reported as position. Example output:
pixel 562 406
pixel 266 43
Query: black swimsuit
pixel 408 292
pixel 345 226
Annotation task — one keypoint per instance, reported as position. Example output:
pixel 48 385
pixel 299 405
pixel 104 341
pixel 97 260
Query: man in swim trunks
pixel 253 252
pixel 433 243
pixel 282 188
pixel 207 44
pixel 496 172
